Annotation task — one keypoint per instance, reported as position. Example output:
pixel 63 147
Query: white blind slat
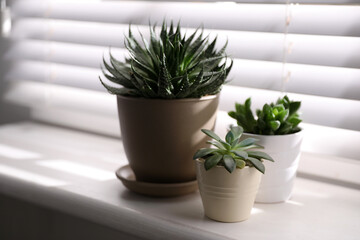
pixel 67 75
pixel 305 19
pixel 45 95
pixel 305 79
pixel 70 54
pixel 273 1
pixel 306 49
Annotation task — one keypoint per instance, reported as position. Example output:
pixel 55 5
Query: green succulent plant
pixel 232 153
pixel 169 66
pixel 274 119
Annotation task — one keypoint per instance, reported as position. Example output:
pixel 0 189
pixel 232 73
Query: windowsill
pixel 73 172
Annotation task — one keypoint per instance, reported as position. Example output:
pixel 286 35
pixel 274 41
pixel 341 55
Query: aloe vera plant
pixel 274 119
pixel 232 153
pixel 169 65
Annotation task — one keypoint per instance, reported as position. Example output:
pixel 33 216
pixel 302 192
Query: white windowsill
pixel 74 172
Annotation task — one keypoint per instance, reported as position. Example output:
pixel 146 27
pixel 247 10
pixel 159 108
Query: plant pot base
pixel 276 199
pixel 230 210
pixel 227 219
pixel 127 177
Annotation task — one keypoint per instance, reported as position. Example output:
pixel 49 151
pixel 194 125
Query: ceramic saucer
pixel 127 177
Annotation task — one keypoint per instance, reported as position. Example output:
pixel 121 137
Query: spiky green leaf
pixel 170 65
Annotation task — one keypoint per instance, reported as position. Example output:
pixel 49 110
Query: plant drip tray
pixel 127 177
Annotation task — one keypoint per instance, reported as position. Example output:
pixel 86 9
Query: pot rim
pixel 275 136
pixel 201 161
pixel 204 98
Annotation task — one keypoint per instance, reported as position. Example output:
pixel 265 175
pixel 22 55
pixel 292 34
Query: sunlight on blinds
pixel 53 54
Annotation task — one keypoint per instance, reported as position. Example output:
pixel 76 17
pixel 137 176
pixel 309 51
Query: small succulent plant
pixel 169 66
pixel 274 119
pixel 232 153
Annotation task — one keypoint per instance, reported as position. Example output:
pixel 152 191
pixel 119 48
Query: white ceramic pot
pixel 227 197
pixel 278 180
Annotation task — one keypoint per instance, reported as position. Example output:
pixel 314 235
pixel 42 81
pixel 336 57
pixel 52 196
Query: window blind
pixel 308 49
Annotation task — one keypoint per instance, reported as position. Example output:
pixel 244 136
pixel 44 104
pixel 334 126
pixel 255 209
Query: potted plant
pixel 276 127
pixel 167 90
pixel 229 175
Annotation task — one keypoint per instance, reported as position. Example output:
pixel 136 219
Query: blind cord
pixel 287 47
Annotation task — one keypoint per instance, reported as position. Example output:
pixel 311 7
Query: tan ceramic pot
pixel 278 180
pixel 227 197
pixel 160 136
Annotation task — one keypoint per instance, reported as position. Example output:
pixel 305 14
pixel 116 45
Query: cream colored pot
pixel 278 180
pixel 227 197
